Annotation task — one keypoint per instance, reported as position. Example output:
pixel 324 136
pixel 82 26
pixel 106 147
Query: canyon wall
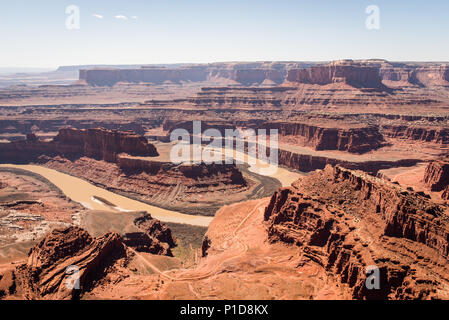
pixel 436 176
pixel 349 72
pixel 307 163
pixel 347 222
pixel 438 135
pixel 354 140
pixel 97 143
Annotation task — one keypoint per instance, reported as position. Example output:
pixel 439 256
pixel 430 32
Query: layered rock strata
pixel 436 176
pixel 100 144
pixel 354 140
pixel 348 223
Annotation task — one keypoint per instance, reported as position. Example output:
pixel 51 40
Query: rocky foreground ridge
pixel 345 221
pixel 64 254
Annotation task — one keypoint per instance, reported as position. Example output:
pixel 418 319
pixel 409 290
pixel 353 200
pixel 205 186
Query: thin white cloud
pixel 98 16
pixel 134 17
pixel 121 17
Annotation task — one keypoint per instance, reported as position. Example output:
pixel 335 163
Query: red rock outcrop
pixel 346 221
pixel 307 162
pixel 437 75
pixel 436 176
pixel 438 135
pixel 50 263
pixel 354 140
pixel 155 237
pixel 98 143
pixel 352 73
pixel 105 144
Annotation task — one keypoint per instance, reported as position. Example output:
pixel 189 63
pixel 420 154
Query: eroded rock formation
pixel 63 255
pixel 69 262
pixel 345 221
pixel 354 140
pixel 425 134
pixel 436 175
pixel 98 143
pixel 154 237
pixel 353 73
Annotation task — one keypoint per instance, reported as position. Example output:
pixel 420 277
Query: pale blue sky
pixel 33 33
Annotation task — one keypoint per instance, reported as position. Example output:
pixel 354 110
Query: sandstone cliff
pixel 354 140
pixel 438 135
pixel 98 143
pixel 352 73
pixel 436 175
pixel 345 221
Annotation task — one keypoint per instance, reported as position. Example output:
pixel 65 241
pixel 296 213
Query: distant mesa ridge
pixel 361 73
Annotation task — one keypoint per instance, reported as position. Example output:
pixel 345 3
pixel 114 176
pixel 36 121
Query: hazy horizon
pixel 198 31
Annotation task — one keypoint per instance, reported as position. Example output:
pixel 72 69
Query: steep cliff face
pixel 109 77
pixel 433 75
pixel 436 175
pixel 105 144
pixel 429 76
pixel 426 134
pixel 403 75
pixel 307 162
pixel 96 143
pixel 241 73
pixel 354 140
pixel 346 221
pixel 349 72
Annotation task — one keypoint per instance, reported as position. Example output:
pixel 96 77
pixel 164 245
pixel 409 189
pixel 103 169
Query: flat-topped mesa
pixel 352 73
pixel 403 74
pixel 105 144
pixel 345 221
pixel 436 176
pixel 258 76
pixel 268 73
pixel 109 77
pixel 358 139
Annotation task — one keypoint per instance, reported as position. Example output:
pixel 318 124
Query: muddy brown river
pixel 91 196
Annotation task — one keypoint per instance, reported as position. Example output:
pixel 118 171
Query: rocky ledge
pixel 72 252
pixel 346 222
pixel 99 143
pixel 436 175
